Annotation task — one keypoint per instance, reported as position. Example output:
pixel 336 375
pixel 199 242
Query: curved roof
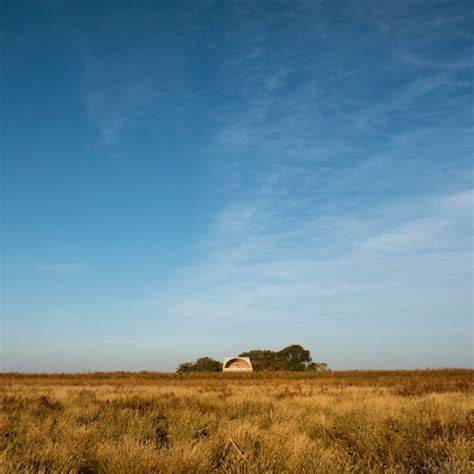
pixel 237 364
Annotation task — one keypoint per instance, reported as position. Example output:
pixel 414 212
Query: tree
pixel 294 357
pixel 295 353
pixel 186 367
pixel 207 364
pixel 260 354
pixel 203 364
pixel 317 366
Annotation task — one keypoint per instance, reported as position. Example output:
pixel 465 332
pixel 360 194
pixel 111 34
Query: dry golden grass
pixel 400 421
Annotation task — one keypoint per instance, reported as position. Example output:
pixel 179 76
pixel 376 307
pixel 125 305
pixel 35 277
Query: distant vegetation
pixel 291 358
pixel 294 358
pixel 203 364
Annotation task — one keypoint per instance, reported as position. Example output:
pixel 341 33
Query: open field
pixel 364 421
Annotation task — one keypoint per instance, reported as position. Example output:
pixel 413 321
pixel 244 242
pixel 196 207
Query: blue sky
pixel 195 178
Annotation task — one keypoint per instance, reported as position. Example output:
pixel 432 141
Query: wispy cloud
pixel 328 172
pixel 133 70
pixel 336 207
pixel 327 271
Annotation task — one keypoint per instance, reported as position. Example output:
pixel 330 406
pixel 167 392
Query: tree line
pixel 290 358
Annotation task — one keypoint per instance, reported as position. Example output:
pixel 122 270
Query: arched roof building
pixel 237 364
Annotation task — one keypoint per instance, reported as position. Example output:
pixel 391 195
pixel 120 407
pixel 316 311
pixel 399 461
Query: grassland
pixel 396 421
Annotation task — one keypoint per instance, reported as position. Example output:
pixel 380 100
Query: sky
pixel 191 178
